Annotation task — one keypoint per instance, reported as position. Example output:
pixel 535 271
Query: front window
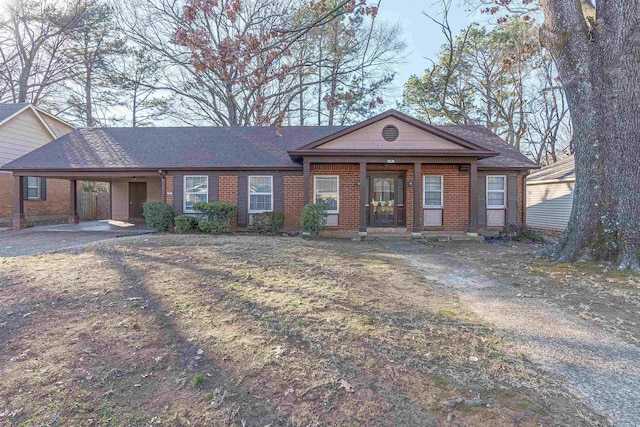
pixel 496 190
pixel 33 187
pixel 433 191
pixel 326 192
pixel 260 194
pixel 196 189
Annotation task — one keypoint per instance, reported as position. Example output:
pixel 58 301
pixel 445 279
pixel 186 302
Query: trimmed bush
pixel 268 222
pixel 314 219
pixel 218 216
pixel 217 226
pixel 186 223
pixel 158 215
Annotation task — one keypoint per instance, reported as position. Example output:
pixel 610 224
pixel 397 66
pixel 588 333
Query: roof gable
pixel 413 135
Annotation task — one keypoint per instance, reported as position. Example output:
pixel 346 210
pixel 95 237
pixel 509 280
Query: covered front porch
pixel 128 191
pixel 387 194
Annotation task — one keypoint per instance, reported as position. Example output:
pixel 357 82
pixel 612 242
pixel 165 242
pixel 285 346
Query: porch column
pixel 417 198
pixel 306 168
pixel 73 203
pixel 19 221
pixel 364 197
pixel 473 198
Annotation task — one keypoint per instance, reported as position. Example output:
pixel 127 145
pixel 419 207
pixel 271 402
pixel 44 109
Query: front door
pixel 137 196
pixel 386 201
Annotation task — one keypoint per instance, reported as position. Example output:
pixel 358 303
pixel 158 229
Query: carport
pixel 128 190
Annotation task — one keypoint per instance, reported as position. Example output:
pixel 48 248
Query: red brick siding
pixel 228 192
pixel 456 197
pixel 228 189
pixel 57 203
pixel 168 198
pixel 349 210
pixel 293 201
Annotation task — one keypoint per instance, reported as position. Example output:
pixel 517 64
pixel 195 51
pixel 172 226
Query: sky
pixel 422 36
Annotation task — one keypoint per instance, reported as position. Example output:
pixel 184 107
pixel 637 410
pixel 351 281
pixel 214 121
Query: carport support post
pixel 473 199
pixel 73 203
pixel 417 198
pixel 306 172
pixel 19 221
pixel 364 197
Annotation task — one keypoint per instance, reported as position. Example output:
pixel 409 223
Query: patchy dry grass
pixel 221 330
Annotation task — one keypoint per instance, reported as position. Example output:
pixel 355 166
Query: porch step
pixel 427 236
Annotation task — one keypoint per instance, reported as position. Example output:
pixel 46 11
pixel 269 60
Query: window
pixel 325 190
pixel 33 187
pixel 260 194
pixel 433 191
pixel 196 189
pixel 496 190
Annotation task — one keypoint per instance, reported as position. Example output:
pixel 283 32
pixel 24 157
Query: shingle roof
pixel 166 148
pixel 215 147
pixel 509 157
pixel 8 110
pixel 563 170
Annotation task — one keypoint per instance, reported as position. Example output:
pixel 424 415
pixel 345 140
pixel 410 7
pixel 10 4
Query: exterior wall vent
pixel 390 133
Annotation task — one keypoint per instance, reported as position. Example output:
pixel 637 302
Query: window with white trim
pixel 260 194
pixel 33 187
pixel 326 192
pixel 433 186
pixel 196 189
pixel 496 191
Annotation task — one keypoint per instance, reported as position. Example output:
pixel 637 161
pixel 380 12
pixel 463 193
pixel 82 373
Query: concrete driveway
pixel 49 238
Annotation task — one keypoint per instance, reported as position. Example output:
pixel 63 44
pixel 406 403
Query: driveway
pixel 50 238
pixel 597 365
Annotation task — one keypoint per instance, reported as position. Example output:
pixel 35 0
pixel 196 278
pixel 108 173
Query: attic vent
pixel 390 133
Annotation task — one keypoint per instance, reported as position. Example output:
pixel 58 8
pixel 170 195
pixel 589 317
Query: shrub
pixel 521 234
pixel 217 226
pixel 268 222
pixel 158 215
pixel 314 219
pixel 218 216
pixel 186 223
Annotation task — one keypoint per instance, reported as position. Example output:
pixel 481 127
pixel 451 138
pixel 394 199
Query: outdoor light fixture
pixel 410 183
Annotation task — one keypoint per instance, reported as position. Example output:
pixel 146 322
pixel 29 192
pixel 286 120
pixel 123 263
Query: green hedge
pixel 158 215
pixel 268 222
pixel 186 223
pixel 218 216
pixel 314 219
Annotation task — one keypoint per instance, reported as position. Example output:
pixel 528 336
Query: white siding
pixel 20 135
pixel 58 127
pixel 549 205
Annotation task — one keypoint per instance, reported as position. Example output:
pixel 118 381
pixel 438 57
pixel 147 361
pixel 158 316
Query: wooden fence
pixel 94 206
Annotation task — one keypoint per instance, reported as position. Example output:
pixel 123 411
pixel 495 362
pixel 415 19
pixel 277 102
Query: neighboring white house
pixel 550 195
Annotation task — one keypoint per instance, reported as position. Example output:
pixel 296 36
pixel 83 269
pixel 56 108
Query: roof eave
pixel 395 153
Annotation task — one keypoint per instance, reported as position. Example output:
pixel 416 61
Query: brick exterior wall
pixel 56 205
pixel 349 193
pixel 228 189
pixel 455 217
pixel 293 201
pixel 168 198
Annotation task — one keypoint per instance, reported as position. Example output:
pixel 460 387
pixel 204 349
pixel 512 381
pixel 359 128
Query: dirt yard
pixel 252 330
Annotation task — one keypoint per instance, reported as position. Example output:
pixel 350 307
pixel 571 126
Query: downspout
pixel 163 177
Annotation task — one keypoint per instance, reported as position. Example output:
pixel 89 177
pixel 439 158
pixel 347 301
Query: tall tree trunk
pixel 601 76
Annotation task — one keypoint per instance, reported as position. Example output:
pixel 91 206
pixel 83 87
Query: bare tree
pixel 595 47
pixel 34 38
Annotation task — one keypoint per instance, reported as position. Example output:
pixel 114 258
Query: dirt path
pixel 602 368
